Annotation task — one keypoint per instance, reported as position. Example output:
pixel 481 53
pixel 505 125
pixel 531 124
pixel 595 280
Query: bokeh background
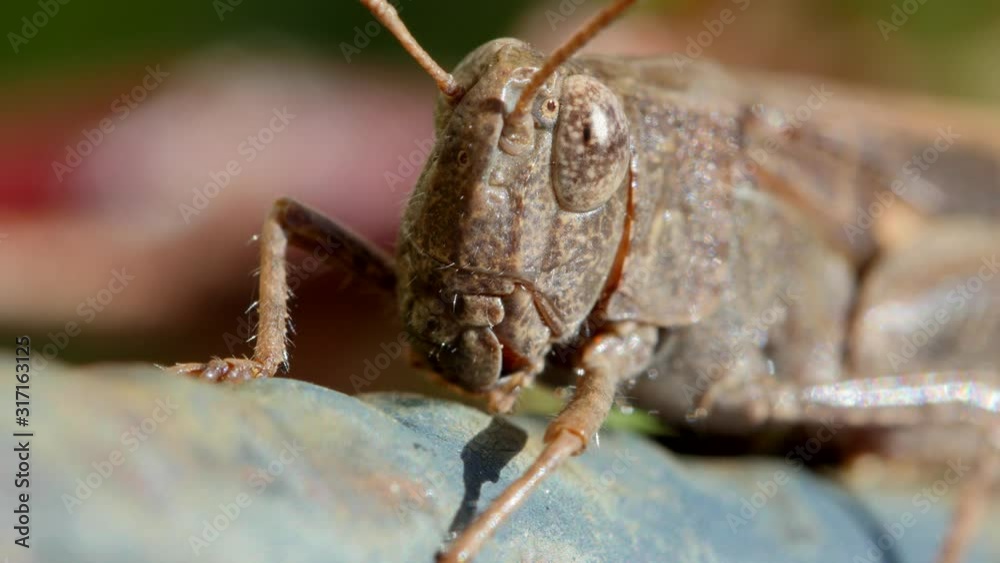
pixel 116 115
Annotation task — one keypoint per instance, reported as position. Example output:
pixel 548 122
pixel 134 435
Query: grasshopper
pixel 635 216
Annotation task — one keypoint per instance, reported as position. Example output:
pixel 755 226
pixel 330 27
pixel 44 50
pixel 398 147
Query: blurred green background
pixel 944 47
pixel 87 35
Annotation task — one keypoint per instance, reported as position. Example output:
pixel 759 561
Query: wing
pixel 860 163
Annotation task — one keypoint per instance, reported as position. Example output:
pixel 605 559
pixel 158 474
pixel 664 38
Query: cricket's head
pixel 515 223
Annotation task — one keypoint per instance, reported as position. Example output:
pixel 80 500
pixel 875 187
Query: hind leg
pixel 958 399
pixel 290 222
pixel 924 353
pixel 935 305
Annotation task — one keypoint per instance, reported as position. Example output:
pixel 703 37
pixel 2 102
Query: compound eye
pixel 589 146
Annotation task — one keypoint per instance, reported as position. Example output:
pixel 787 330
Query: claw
pixel 217 370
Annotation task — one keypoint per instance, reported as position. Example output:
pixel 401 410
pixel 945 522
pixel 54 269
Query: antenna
pixel 386 13
pixel 565 51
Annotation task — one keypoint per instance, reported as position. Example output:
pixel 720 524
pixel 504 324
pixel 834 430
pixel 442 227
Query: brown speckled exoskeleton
pixel 760 250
